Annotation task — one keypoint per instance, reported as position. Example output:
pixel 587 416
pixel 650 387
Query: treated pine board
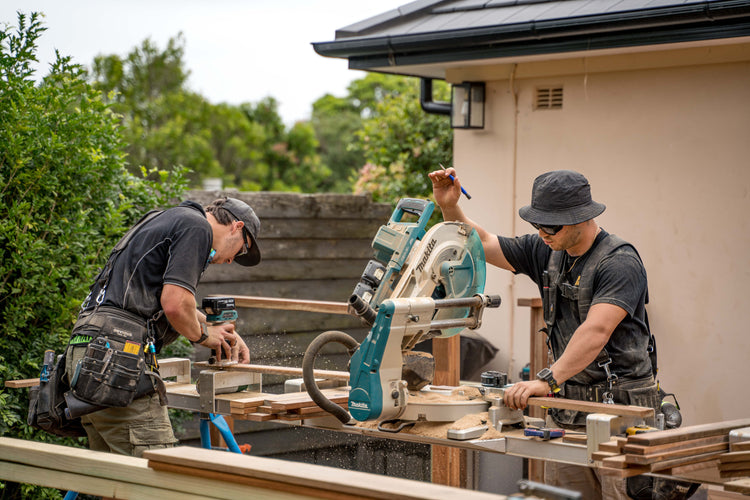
pixel 239 467
pixel 615 462
pixel 622 472
pixel 684 433
pixel 258 483
pixel 613 446
pixel 320 306
pixel 738 486
pixel 678 462
pixel 21 383
pixel 733 466
pixel 339 397
pixel 279 370
pixel 669 455
pixel 742 446
pixel 637 449
pixel 590 407
pixel 574 438
pixel 257 417
pixel 735 456
pixel 601 455
pixel 734 473
pixel 83 470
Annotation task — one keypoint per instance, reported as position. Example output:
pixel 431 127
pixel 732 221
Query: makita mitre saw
pixel 420 285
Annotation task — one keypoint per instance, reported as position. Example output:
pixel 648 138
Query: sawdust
pixel 439 430
pixel 461 393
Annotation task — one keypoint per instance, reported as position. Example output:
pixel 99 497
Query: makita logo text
pixel 357 404
pixel 427 252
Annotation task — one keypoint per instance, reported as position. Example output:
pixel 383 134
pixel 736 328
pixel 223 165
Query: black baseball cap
pixel 242 211
pixel 561 198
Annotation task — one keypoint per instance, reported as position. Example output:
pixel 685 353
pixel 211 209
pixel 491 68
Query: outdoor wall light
pixel 467 105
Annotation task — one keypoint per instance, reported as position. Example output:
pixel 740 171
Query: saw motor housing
pixel 405 294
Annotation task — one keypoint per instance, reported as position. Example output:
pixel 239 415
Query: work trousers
pixel 142 425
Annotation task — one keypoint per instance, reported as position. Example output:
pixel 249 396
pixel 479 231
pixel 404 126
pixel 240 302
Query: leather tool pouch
pixel 47 405
pixel 114 363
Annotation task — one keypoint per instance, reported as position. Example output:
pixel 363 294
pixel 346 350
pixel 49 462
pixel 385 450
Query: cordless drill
pixel 218 310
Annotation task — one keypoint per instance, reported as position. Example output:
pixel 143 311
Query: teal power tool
pixel 218 310
pixel 421 285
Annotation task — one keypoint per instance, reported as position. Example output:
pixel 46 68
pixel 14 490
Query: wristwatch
pixel 204 334
pixel 546 375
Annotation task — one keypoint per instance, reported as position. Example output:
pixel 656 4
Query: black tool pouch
pixel 114 363
pixel 47 405
pixel 108 376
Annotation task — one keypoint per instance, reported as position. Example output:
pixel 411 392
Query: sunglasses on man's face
pixel 550 230
pixel 245 248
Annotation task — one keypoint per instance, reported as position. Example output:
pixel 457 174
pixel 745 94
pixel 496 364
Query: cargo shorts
pixel 143 425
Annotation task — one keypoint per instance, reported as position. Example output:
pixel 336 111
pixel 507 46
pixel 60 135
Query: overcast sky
pixel 236 50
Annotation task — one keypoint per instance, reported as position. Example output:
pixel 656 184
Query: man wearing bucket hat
pixel 594 291
pixel 143 299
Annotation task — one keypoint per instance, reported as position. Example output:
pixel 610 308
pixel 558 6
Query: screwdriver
pixel 454 180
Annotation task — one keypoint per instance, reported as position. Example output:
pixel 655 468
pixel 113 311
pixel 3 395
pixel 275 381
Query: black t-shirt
pixel 172 248
pixel 619 280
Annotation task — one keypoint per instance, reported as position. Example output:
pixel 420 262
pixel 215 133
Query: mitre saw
pixel 421 285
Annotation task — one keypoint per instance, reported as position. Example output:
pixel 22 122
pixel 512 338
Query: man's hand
pixel 517 396
pixel 227 343
pixel 447 192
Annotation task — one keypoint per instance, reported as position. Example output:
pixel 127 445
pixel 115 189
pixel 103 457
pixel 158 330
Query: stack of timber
pixel 664 451
pixel 736 463
pixel 292 406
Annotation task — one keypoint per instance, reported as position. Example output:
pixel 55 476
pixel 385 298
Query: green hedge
pixel 65 198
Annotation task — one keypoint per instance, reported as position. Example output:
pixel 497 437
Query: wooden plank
pixel 574 438
pixel 257 417
pixel 239 467
pixel 601 455
pixel 280 370
pixel 735 456
pixel 739 466
pixel 291 304
pixel 590 407
pixel 306 400
pixel 448 464
pixel 683 433
pixel 668 455
pixel 21 383
pixel 677 462
pixel 106 474
pixel 742 446
pixel 738 486
pixel 636 449
pixel 612 446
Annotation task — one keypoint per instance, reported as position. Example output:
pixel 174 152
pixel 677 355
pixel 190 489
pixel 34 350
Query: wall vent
pixel 549 98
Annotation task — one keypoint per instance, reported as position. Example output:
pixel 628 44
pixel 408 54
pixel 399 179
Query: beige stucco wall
pixel 667 149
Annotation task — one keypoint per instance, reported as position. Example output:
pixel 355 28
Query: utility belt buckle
pixel 608 396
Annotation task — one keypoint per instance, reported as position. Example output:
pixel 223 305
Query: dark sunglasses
pixel 550 230
pixel 244 249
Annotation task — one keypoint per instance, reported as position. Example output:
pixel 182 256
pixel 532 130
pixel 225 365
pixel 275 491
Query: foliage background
pixel 65 196
pixel 85 151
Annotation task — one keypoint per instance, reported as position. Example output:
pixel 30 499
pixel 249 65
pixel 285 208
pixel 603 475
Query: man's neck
pixel 589 230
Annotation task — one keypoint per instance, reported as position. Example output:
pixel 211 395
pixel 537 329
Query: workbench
pixel 708 454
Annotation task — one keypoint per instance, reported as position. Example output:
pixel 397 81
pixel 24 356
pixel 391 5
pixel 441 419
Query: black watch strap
pixel 204 335
pixel 546 375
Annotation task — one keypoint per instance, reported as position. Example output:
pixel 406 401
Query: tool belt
pixel 636 392
pixel 116 367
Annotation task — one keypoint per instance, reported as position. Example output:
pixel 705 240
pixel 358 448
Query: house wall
pixel 664 140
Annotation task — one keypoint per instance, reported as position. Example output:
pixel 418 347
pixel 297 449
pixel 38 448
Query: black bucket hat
pixel 242 211
pixel 560 198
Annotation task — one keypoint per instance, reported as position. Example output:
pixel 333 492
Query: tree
pixel 336 121
pixel 164 123
pixel 401 144
pixel 65 198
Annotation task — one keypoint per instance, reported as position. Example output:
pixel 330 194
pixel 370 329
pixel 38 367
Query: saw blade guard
pixel 461 278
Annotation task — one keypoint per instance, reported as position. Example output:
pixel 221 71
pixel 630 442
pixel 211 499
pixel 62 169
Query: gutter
pixel 639 27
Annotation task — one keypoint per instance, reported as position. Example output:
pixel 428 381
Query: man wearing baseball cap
pixel 144 299
pixel 594 290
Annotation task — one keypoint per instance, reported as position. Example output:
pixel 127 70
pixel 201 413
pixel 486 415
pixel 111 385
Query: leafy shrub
pixel 65 199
